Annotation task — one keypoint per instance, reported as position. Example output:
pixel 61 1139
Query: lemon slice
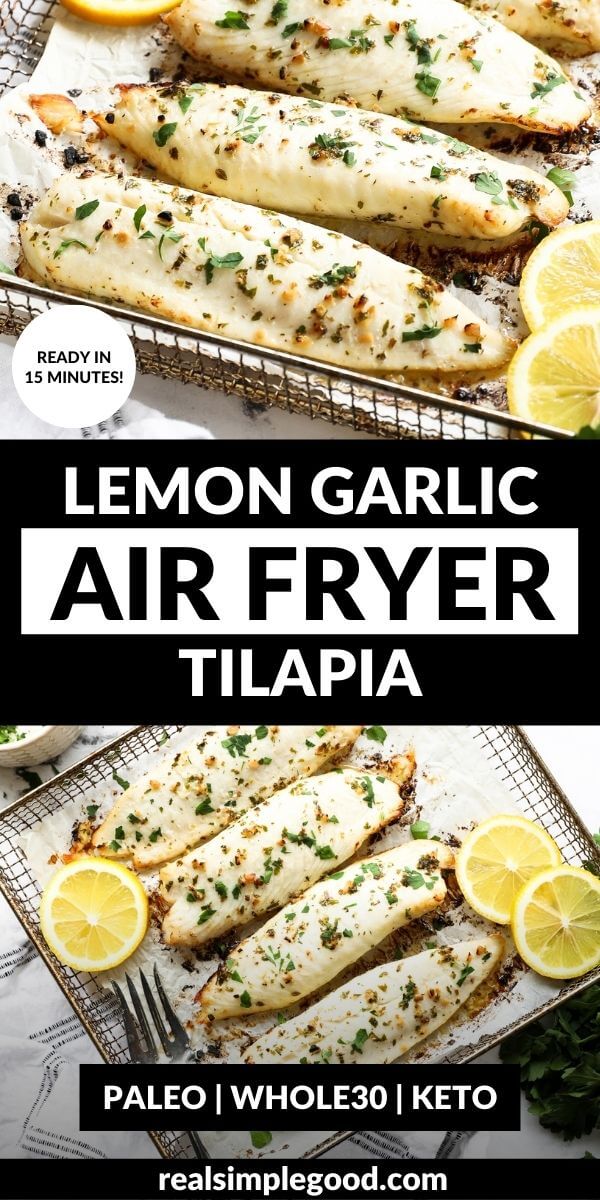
pixel 555 375
pixel 120 12
pixel 556 922
pixel 497 858
pixel 93 914
pixel 563 271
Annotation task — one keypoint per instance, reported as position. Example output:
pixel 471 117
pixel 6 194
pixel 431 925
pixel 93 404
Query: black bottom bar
pixel 122 1179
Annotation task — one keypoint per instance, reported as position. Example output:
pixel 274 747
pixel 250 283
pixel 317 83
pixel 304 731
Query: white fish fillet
pixel 192 794
pixel 284 152
pixel 382 1014
pixel 251 275
pixel 434 62
pixel 327 928
pixel 277 850
pixel 572 25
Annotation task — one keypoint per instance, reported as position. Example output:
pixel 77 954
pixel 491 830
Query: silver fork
pixel 175 1041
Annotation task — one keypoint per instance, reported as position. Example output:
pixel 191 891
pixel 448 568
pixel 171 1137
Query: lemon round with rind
pixel 93 913
pixel 497 857
pixel 562 273
pixel 554 378
pixel 119 12
pixel 556 922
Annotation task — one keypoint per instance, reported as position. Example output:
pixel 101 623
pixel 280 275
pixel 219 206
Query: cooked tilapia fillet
pixel 192 794
pixel 434 62
pixel 281 152
pixel 252 275
pixel 381 1015
pixel 572 25
pixel 277 850
pixel 327 928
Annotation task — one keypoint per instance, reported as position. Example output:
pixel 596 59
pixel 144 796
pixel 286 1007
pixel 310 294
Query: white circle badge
pixel 73 366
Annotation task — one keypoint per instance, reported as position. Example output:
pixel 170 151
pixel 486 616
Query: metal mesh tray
pixel 258 376
pixel 507 748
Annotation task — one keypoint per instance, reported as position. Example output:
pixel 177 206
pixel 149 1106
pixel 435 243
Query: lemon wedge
pixel 119 12
pixel 555 375
pixel 93 914
pixel 497 858
pixel 563 272
pixel 556 922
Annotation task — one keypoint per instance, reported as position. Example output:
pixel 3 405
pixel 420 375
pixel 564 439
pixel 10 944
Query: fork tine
pixel 156 1017
pixel 136 1053
pixel 179 1033
pixel 143 1020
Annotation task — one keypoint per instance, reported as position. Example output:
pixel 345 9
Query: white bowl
pixel 39 747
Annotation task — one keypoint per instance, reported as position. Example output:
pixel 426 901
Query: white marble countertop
pixel 571 754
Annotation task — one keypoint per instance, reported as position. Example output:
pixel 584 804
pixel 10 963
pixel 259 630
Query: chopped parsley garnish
pixel 233 20
pixel 206 914
pixel 236 744
pixel 466 971
pixel 138 216
pixel 91 810
pixel 156 833
pixel 361 1037
pixel 330 145
pixel 564 179
pixel 10 733
pixel 204 807
pixel 279 10
pixel 86 210
pixel 299 839
pixel 325 852
pixel 221 889
pixel 376 733
pixel 68 242
pixel 164 132
pixel 542 89
pixel 246 128
pixel 367 787
pixel 334 277
pixel 262 1138
pixel 420 335
pixel 408 994
pixel 246 1000
pixel 419 830
pixel 168 236
pixel 357 41
pixel 124 783
pixel 228 261
pixel 185 102
pixel 428 84
pixel 261 732
pixel 374 869
pixel 414 879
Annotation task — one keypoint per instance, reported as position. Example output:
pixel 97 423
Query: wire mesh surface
pixel 258 376
pixel 505 746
